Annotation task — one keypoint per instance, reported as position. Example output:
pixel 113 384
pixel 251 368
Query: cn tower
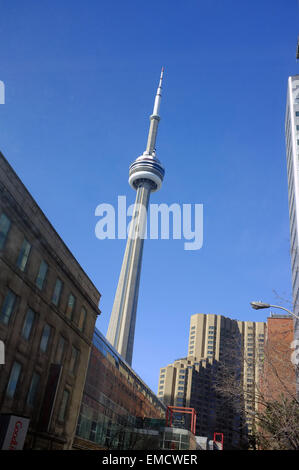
pixel 146 174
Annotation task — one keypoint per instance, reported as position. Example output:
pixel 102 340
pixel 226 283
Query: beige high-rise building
pixel 216 344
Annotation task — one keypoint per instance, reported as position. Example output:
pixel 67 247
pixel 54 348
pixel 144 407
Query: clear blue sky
pixel 80 81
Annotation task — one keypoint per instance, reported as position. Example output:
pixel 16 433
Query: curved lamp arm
pixel 259 305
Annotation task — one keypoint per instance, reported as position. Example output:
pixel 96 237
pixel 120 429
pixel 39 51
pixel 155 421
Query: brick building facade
pixel 48 310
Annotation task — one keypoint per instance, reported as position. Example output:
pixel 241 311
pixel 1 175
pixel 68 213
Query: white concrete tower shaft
pixel 145 176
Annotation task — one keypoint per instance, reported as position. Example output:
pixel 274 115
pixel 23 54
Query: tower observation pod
pixel 146 175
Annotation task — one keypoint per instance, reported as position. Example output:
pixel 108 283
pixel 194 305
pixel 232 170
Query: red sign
pixel 13 432
pixel 14 443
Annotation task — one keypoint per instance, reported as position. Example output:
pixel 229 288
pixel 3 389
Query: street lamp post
pixel 260 305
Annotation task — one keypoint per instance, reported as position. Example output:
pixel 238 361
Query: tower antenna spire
pixel 158 95
pixel 154 118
